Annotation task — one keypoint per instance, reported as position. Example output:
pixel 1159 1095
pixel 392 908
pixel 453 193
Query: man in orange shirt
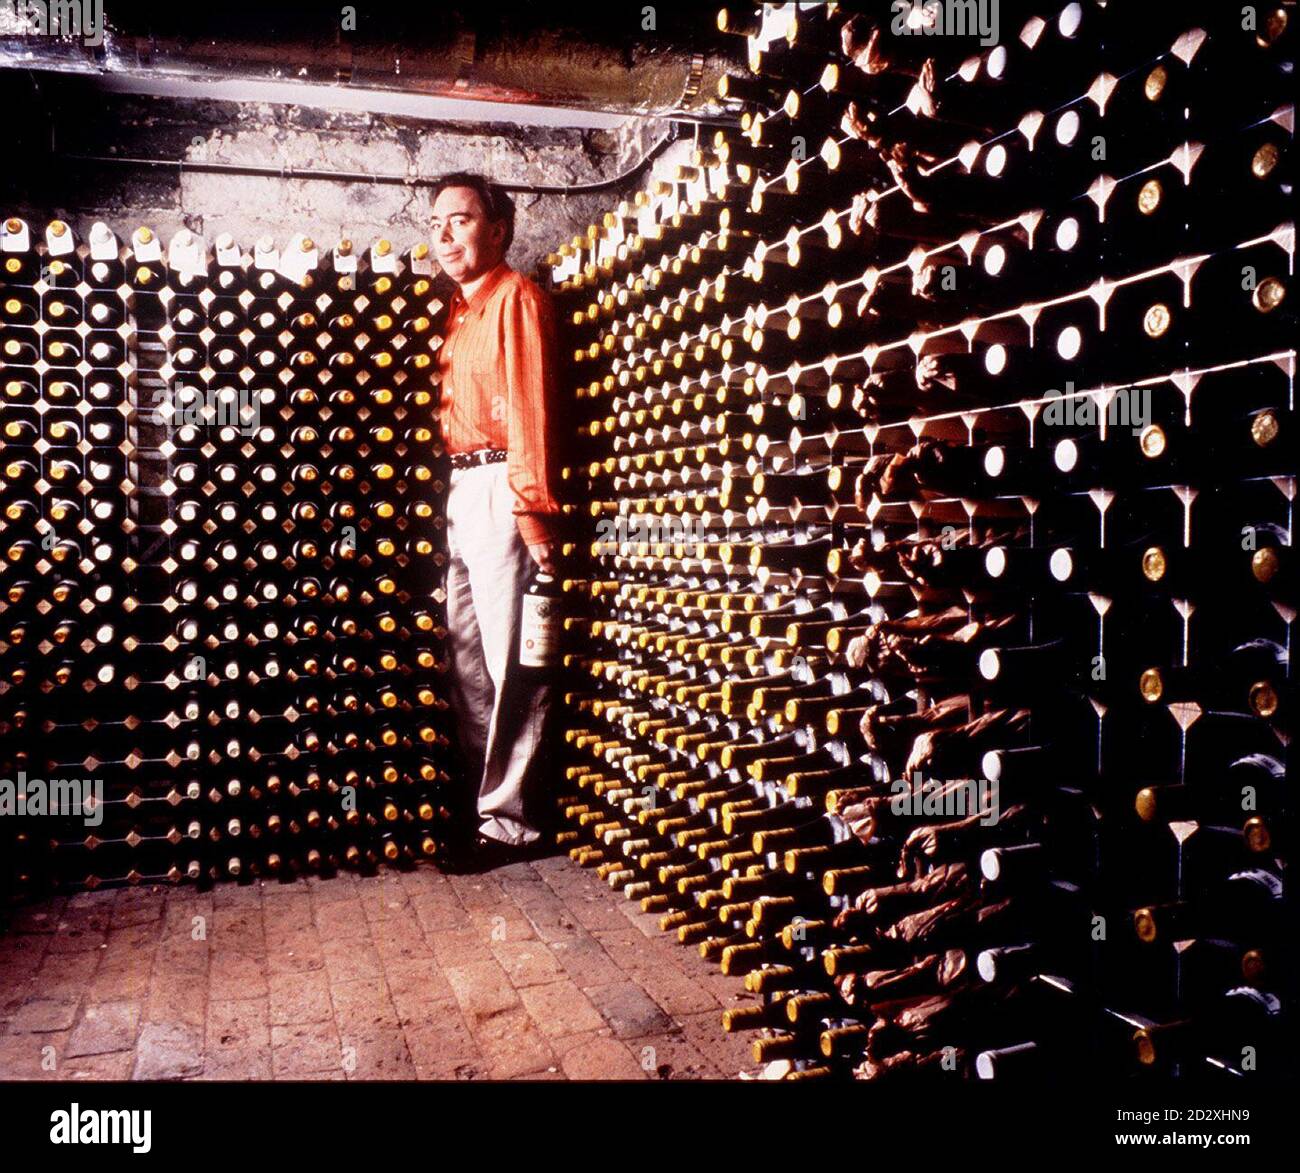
pixel 498 384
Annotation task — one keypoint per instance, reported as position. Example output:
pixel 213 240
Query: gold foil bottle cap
pixel 1264 564
pixel 1146 804
pixel 1153 441
pixel 1263 699
pixel 1256 834
pixel 1264 160
pixel 1157 319
pixel 1154 564
pixel 1268 295
pixel 1151 685
pixel 1264 428
pixel 1149 196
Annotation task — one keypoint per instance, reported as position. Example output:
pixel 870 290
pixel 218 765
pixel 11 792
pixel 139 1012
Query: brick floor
pixel 534 971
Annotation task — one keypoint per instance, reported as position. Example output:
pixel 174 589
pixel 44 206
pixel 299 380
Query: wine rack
pixel 931 661
pixel 221 521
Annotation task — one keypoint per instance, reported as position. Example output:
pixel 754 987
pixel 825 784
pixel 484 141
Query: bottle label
pixel 294 263
pixel 187 254
pixel 539 632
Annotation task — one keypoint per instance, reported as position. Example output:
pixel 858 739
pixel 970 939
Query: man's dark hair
pixel 496 203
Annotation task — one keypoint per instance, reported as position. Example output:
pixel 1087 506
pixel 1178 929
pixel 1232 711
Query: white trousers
pixel 501 710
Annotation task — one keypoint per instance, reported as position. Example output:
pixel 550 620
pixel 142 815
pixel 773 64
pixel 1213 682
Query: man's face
pixel 466 243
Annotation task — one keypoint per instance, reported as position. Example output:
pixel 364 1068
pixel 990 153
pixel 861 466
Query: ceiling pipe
pixel 547 68
pixel 614 183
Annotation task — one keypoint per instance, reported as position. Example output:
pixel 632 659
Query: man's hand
pixel 542 554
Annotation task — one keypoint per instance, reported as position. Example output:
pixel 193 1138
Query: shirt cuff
pixel 536 528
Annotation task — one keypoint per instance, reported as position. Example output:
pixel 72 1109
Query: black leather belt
pixel 474 459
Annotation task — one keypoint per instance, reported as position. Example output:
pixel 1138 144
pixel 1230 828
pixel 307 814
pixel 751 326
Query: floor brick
pixel 674 992
pixel 347 959
pixel 602 1058
pixel 72 940
pixel 376 1052
pixel 237 1025
pixel 124 980
pixel 585 961
pixel 478 892
pixel 423 979
pixel 402 942
pixel 629 1010
pixel 168 1051
pixel 512 1045
pixel 457 948
pixel 299 997
pixel 527 962
pixel 65 975
pixel 345 919
pixel 363 1004
pixel 233 976
pixel 44 1014
pixel 296 951
pixel 441 1046
pixel 305 1050
pixel 561 1009
pixel 104 1027
pixel 482 989
pixel 176 999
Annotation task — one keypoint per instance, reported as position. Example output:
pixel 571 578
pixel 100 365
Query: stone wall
pixel 65 117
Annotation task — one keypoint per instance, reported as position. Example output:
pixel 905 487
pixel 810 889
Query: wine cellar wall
pixel 931 664
pixel 930 476
pixel 220 620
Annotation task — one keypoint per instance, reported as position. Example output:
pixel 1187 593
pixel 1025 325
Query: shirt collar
pixel 494 278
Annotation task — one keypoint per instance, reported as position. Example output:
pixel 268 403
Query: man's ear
pixel 499 235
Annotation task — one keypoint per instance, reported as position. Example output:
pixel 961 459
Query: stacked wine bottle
pixel 221 638
pixel 931 660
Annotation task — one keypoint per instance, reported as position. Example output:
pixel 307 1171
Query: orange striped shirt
pixel 498 373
